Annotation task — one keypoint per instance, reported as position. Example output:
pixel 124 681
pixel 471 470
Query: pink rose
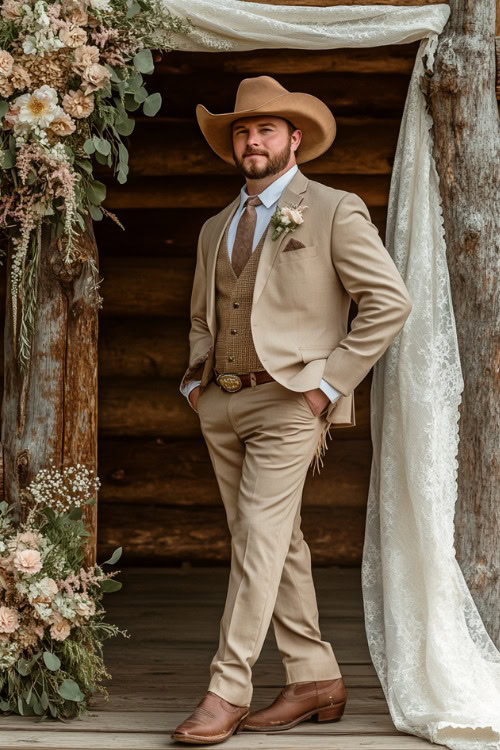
pixel 9 621
pixel 27 561
pixel 60 630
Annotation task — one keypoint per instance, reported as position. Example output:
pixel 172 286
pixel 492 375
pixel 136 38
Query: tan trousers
pixel 261 441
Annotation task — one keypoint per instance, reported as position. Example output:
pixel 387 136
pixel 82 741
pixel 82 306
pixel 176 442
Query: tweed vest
pixel 234 347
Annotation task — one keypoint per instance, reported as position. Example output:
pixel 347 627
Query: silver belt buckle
pixel 229 381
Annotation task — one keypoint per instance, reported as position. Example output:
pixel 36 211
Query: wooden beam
pixel 156 471
pixel 155 408
pixel 218 192
pixel 166 534
pixel 396 59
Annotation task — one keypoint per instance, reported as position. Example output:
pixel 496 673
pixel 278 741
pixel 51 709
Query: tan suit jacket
pixel 301 297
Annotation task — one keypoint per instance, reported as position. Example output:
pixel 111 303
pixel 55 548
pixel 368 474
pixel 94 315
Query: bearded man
pixel 272 368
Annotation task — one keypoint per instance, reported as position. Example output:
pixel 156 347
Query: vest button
pixel 230 359
pixel 234 330
pixel 236 304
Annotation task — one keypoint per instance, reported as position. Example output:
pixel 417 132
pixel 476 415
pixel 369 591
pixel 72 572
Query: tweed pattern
pixel 230 289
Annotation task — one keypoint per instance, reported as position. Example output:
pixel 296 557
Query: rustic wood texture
pixel 162 671
pixel 461 95
pixel 391 58
pixel 167 472
pixel 51 413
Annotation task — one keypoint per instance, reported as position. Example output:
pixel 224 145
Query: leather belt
pixel 232 382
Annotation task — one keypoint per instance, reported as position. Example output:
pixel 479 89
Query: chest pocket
pixel 299 254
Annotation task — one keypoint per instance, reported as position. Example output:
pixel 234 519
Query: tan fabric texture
pixel 301 298
pixel 235 352
pixel 260 441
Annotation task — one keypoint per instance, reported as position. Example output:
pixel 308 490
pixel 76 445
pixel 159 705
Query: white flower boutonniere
pixel 286 219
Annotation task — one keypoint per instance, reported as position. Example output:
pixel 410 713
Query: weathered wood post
pixel 51 412
pixel 461 96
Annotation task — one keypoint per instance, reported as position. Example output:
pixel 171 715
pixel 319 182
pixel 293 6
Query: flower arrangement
pixel 51 623
pixel 286 219
pixel 70 71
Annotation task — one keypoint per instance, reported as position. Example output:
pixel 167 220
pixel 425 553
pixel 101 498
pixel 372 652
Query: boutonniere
pixel 286 219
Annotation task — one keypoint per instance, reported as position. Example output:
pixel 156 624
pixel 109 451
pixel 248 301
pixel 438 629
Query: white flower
pixel 38 108
pixel 292 214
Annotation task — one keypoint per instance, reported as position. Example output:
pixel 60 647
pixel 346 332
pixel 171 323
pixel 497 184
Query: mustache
pixel 254 153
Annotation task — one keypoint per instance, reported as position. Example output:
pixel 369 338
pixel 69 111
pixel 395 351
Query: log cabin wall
pixel 159 496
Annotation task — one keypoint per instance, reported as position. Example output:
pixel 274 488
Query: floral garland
pixel 70 71
pixel 51 627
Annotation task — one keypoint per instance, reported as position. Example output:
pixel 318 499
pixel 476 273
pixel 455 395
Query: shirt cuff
pixel 186 390
pixel 332 393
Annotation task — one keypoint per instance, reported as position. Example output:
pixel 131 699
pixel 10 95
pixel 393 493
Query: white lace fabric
pixel 438 667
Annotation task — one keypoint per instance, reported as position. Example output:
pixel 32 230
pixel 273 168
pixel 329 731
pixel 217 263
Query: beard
pixel 274 164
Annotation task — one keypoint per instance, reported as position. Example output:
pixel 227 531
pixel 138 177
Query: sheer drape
pixel 438 667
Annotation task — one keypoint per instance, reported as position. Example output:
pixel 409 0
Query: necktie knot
pixel 256 201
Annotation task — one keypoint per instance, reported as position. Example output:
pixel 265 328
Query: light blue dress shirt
pixel 269 197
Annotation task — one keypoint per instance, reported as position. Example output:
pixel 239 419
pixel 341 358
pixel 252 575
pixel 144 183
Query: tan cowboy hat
pixel 263 95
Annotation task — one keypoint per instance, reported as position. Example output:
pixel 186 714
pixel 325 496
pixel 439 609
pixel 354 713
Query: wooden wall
pixel 159 497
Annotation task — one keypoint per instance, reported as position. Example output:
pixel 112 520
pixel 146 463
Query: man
pixel 271 369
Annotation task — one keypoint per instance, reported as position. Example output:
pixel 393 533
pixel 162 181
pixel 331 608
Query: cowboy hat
pixel 263 95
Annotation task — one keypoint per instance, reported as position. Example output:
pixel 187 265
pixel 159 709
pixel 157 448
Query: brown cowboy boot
pixel 324 700
pixel 213 720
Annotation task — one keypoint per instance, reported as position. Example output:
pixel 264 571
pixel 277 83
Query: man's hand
pixel 317 400
pixel 193 397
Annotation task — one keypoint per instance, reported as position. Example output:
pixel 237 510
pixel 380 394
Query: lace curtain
pixel 439 669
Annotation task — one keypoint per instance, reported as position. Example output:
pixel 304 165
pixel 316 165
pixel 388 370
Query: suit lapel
pixel 292 194
pixel 224 219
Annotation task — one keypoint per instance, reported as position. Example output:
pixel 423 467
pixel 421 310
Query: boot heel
pixel 331 713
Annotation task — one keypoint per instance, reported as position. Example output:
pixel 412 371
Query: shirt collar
pixel 272 192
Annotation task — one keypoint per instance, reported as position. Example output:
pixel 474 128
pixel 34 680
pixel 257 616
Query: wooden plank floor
pixel 161 672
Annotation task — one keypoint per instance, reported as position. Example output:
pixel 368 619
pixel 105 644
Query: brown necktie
pixel 243 241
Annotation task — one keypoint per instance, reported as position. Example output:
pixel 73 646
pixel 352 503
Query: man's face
pixel 262 145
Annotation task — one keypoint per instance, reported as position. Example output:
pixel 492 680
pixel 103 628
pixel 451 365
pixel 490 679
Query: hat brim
pixel 308 113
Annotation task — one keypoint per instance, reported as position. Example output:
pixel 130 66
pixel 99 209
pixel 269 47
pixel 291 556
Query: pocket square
pixel 293 245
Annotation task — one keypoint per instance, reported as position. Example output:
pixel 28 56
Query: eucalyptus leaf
pixel 75 514
pixel 132 9
pixel 135 82
pixel 4 705
pixel 9 160
pixel 152 104
pixel 96 191
pixel 44 700
pixel 89 146
pixel 114 557
pixel 100 158
pixel 122 153
pixel 85 164
pixel 103 146
pixel 4 107
pixel 52 661
pixel 23 667
pixel 95 212
pixel 20 706
pixel 70 690
pixel 143 61
pixel 125 127
pixel 141 95
pixel 109 585
pixel 130 103
pixel 121 177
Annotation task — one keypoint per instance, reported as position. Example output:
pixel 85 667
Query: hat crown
pixel 254 92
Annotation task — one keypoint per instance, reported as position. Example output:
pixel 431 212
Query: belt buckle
pixel 230 381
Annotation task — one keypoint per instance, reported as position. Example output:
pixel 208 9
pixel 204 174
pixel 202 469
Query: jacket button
pixel 236 304
pixel 230 359
pixel 234 330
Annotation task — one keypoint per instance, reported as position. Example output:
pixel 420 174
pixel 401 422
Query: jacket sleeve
pixel 200 338
pixel 371 278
